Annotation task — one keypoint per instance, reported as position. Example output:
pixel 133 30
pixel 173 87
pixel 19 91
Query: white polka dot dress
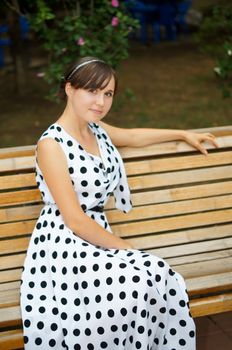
pixel 75 295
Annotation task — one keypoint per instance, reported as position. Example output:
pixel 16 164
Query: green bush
pixel 215 37
pixel 73 29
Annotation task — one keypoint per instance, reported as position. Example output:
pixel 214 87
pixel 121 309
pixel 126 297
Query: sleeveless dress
pixel 75 295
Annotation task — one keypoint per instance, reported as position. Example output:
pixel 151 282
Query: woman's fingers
pixel 198 145
pixel 197 140
pixel 202 149
pixel 214 142
pixel 211 138
pixel 209 134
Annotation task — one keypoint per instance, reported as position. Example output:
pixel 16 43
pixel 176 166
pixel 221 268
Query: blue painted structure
pixel 24 26
pixel 168 14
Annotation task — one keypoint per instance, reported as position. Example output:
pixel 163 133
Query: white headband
pixel 81 65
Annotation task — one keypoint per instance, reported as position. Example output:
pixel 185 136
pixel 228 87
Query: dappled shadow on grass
pixel 167 85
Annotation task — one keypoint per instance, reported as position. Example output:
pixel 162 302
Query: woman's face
pixel 91 105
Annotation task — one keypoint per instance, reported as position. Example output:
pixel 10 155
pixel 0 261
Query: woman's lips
pixel 96 111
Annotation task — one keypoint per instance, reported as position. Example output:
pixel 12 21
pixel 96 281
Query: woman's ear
pixel 68 89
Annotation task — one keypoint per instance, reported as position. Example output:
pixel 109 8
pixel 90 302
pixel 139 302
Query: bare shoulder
pixel 50 152
pixel 48 146
pixel 47 143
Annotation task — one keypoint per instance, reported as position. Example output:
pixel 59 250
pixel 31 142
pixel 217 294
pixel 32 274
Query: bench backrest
pixel 182 209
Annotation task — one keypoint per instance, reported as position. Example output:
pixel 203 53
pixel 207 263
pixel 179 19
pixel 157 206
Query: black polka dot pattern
pixel 75 295
pixel 98 176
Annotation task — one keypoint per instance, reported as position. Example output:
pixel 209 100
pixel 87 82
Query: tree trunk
pixel 17 51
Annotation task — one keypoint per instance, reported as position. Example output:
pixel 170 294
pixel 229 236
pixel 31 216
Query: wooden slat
pixel 216 130
pixel 17 228
pixel 182 237
pixel 173 223
pixel 178 193
pixel 11 261
pixel 20 245
pixel 19 197
pixel 154 180
pixel 10 275
pixel 30 149
pixel 162 148
pixel 10 286
pixel 146 166
pixel 22 163
pixel 192 248
pixel 170 148
pixel 178 163
pixel 9 298
pixel 15 245
pixel 17 181
pixel 10 316
pixel 138 213
pixel 143 198
pixel 180 177
pixel 10 340
pixel 209 284
pixel 21 213
pixel 170 209
pixel 129 229
pixel 20 151
pixel 202 268
pixel 211 305
pixel 186 259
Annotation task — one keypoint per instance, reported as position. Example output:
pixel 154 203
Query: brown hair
pixel 94 75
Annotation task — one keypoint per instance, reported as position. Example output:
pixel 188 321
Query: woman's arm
pixel 139 137
pixel 54 167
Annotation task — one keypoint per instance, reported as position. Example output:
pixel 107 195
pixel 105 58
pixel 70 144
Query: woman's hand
pixel 196 140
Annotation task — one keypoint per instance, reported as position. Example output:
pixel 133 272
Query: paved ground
pixel 214 332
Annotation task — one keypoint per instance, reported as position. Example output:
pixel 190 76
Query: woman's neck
pixel 73 124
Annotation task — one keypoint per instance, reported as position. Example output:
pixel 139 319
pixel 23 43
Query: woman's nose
pixel 100 99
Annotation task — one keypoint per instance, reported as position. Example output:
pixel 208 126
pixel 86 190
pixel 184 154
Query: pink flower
pixel 80 41
pixel 40 74
pixel 64 49
pixel 114 21
pixel 115 3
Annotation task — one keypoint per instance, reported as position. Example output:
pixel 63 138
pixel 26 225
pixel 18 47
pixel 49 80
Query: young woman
pixel 83 287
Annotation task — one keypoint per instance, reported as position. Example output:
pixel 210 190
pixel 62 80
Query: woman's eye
pixel 109 94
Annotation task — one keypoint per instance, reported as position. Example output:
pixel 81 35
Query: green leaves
pixel 215 37
pixel 72 29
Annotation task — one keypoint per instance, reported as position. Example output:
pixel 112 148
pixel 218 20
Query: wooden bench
pixel 182 212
